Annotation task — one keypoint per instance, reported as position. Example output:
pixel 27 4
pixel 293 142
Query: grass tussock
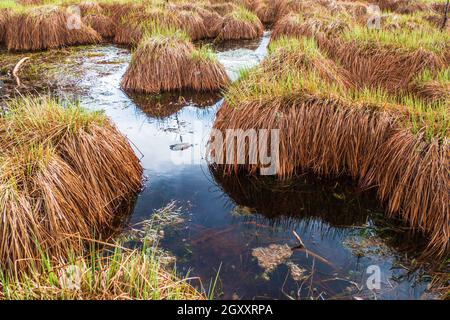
pixel 4 17
pixel 403 6
pixel 391 60
pixel 135 25
pixel 104 25
pixel 300 25
pixel 118 274
pixel 329 126
pixel 211 20
pixel 167 61
pixel 206 72
pixel 44 28
pixel 221 8
pixel 50 157
pixel 193 24
pixel 433 86
pixel 240 24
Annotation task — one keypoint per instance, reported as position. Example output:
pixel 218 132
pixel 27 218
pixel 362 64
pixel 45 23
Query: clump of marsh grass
pixel 270 11
pixel 403 6
pixel 4 17
pixel 65 173
pixel 45 27
pixel 211 20
pixel 137 23
pixel 205 72
pixel 157 63
pixel 300 25
pixel 221 8
pixel 192 22
pixel 240 24
pixel 388 59
pixel 166 60
pixel 104 25
pixel 108 274
pixel 433 86
pixel 333 128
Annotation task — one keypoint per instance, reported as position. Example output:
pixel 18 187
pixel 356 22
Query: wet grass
pixel 109 271
pixel 50 154
pixel 423 38
pixel 116 273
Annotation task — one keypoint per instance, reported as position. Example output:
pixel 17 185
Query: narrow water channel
pixel 226 219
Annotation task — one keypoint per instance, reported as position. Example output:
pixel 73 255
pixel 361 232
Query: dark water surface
pixel 342 228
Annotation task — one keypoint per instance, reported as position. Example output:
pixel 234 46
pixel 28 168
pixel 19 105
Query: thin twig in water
pixel 16 70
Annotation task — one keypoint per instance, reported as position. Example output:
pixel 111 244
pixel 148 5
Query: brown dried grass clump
pixel 30 2
pixel 132 27
pixel 212 22
pixel 167 61
pixel 104 25
pixel 432 87
pixel 385 59
pixel 271 11
pixel 117 10
pixel 158 63
pixel 64 175
pixel 193 24
pixel 403 6
pixel 413 180
pixel 221 8
pixel 330 128
pixel 332 139
pixel 300 25
pixel 4 17
pixel 46 28
pixel 241 24
pixel 206 73
pixel 89 7
pixel 432 91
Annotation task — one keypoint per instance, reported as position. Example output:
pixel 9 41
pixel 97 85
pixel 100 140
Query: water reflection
pixel 337 203
pixel 167 104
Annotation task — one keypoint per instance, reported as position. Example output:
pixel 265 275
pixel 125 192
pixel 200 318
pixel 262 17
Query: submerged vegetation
pixel 106 271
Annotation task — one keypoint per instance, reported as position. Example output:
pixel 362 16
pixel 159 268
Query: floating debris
pixel 151 231
pixel 171 130
pixel 366 246
pixel 269 258
pixel 180 146
pixel 242 211
pixel 297 273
